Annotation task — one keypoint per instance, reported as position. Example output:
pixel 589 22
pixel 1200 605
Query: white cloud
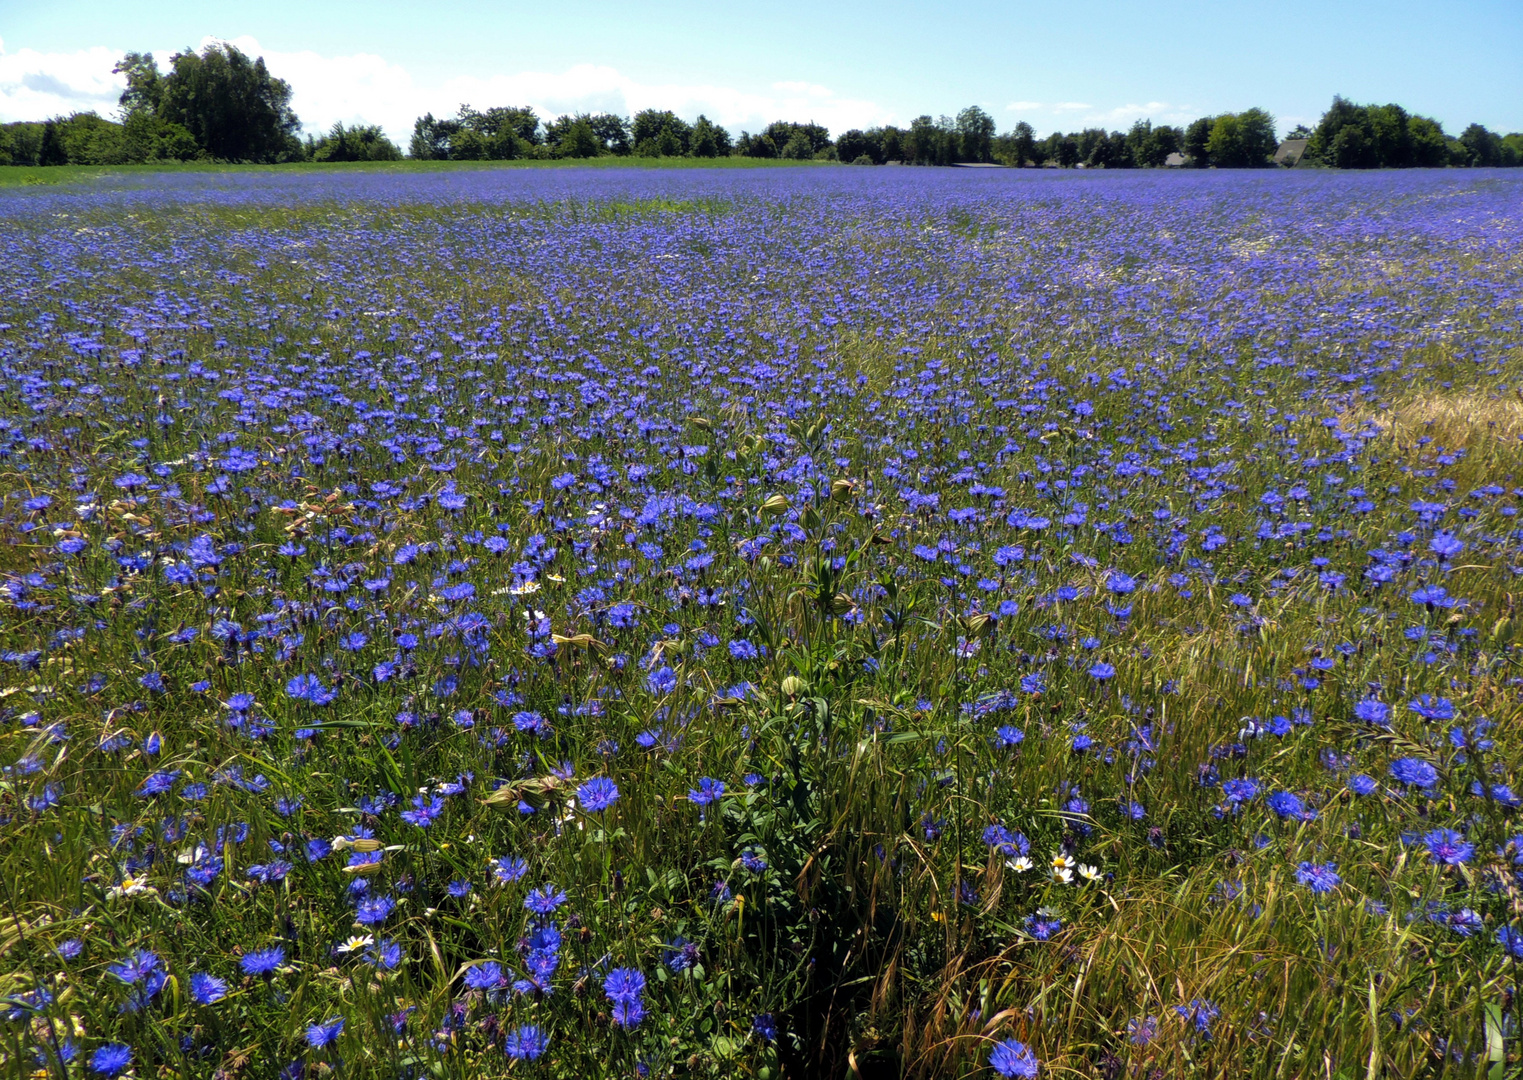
pixel 365 88
pixel 35 85
pixel 1071 106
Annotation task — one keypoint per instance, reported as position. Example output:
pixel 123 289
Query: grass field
pixel 774 623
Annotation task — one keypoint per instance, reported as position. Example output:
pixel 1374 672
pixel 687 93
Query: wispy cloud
pixel 37 84
pixel 365 88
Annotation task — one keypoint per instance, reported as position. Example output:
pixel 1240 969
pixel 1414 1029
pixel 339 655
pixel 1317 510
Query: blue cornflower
pixel 384 954
pixel 1319 877
pixel 324 1034
pixel 425 811
pixel 624 984
pixel 1041 927
pixel 113 1059
pixel 1511 940
pixel 373 911
pixel 158 783
pixel 545 899
pixel 206 989
pixel 525 1043
pixel 1360 784
pixel 661 681
pixel 1013 1058
pixel 707 791
pixel 1285 805
pixel 597 794
pixel 136 968
pixel 1448 847
pixel 1009 737
pixel 309 688
pixel 1101 670
pixel 484 976
pixel 765 1026
pixel 1373 711
pixel 1200 1013
pixel 263 961
pixel 1141 1030
pixel 1414 772
pixel 752 859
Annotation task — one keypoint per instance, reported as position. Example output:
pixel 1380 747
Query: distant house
pixel 1290 152
pixel 1175 160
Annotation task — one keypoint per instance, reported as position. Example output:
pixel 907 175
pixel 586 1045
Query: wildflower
pixel 425 811
pixel 113 1059
pixel 1042 925
pixel 753 860
pixel 309 688
pixel 130 887
pixel 1013 1058
pixel 1020 864
pixel 625 987
pixel 324 1034
pixel 1414 772
pixel 354 943
pixel 1199 1013
pixel 374 911
pixel 1090 873
pixel 707 791
pixel 597 794
pixel 1511 940
pixel 1318 877
pixel 1141 1030
pixel 765 1026
pixel 484 976
pixel 206 989
pixel 1063 868
pixel 1447 847
pixel 545 899
pixel 263 962
pixel 526 1043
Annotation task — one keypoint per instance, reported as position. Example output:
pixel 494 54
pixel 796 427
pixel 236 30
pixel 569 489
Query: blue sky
pixel 1058 64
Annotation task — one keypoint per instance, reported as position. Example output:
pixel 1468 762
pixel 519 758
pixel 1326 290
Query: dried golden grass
pixel 1453 420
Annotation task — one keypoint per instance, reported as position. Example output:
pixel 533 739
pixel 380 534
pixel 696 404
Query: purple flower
pixel 1013 1058
pixel 324 1034
pixel 113 1059
pixel 1318 877
pixel 1414 772
pixel 1447 847
pixel 545 899
pixel 525 1043
pixel 263 962
pixel 597 794
pixel 206 989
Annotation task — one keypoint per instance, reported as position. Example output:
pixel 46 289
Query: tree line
pixel 220 105
pixel 215 105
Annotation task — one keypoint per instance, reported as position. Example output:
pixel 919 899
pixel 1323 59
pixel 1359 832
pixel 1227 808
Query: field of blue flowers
pixel 841 623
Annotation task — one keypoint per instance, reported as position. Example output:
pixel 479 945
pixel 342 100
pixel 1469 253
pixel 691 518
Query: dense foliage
pixel 761 623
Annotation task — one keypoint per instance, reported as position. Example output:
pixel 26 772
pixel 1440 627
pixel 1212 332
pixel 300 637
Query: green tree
pixel 1483 149
pixel 1196 141
pixel 233 106
pixel 709 139
pixel 580 141
pixel 52 151
pixel 612 131
pixel 360 143
pixel 430 138
pixel 1390 136
pixel 1355 150
pixel 24 142
pixel 661 133
pixel 145 84
pixel 975 135
pixel 1429 147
